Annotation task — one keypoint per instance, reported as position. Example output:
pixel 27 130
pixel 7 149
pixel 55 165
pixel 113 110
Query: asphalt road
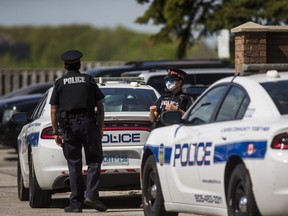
pixel 120 203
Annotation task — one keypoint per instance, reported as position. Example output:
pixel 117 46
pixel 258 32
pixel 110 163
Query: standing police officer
pixel 174 98
pixel 74 99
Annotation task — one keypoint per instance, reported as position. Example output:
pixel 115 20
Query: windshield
pixel 278 91
pixel 128 99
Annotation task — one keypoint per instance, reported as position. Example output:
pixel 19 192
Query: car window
pixel 243 107
pixel 203 111
pixel 127 99
pixel 278 92
pixel 39 108
pixel 234 105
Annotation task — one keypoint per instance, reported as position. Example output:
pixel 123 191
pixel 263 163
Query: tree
pixel 191 20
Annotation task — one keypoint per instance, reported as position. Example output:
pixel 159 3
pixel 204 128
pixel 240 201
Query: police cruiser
pixel 228 155
pixel 42 168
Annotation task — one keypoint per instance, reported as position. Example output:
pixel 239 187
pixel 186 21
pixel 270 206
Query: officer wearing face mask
pixel 174 98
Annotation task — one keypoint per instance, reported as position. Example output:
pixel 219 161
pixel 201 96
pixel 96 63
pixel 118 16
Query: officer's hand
pixel 171 107
pixel 59 140
pixel 153 108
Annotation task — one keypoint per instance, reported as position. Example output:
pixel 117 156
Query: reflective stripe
pixel 33 139
pixel 240 149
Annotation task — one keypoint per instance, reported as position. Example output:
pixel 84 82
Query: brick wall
pixel 257 44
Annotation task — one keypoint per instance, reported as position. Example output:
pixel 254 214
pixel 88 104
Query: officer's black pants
pixel 83 132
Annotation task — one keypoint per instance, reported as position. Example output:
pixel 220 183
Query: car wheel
pixel 23 193
pixel 152 198
pixel 38 198
pixel 240 198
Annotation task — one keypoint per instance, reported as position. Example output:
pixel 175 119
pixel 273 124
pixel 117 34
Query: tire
pixel 23 193
pixel 240 188
pixel 38 198
pixel 152 197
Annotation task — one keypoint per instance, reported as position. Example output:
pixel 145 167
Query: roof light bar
pixel 102 80
pixel 262 68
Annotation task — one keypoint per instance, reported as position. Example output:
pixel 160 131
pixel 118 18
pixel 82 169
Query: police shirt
pixel 181 100
pixel 75 91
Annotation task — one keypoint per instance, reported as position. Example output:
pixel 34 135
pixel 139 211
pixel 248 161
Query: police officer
pixel 73 103
pixel 174 98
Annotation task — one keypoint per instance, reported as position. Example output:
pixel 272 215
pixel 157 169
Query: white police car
pixel 42 168
pixel 228 155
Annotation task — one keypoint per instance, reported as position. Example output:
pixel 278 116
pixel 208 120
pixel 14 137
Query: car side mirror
pixel 20 118
pixel 171 117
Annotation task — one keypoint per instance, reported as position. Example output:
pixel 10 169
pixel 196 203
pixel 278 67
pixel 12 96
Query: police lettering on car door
pixel 192 154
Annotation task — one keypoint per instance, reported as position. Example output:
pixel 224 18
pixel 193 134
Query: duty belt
pixel 79 113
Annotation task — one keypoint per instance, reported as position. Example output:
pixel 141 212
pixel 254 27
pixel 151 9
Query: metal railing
pixel 12 79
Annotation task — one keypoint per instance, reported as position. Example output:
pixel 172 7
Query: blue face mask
pixel 170 84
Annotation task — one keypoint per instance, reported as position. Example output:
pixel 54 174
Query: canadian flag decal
pixel 250 149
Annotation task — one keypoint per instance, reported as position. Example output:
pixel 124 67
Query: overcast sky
pixel 98 13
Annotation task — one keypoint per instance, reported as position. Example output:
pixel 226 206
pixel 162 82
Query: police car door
pixel 182 171
pixel 213 140
pixel 191 150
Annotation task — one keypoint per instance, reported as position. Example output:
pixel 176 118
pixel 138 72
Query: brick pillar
pixel 250 48
pixel 257 44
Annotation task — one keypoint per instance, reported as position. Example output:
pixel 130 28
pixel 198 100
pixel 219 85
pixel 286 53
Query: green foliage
pixel 190 20
pixel 39 47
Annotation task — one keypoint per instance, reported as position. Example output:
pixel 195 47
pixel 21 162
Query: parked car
pixel 154 65
pixel 42 168
pixel 8 106
pixel 227 155
pixel 181 63
pixel 38 88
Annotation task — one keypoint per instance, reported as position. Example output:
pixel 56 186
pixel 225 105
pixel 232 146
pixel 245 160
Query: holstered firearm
pixel 62 119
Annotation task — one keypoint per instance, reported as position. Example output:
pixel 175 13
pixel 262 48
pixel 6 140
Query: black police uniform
pixel 181 100
pixel 76 95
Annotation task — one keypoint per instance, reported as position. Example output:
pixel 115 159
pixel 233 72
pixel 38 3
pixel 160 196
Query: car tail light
pixel 47 133
pixel 280 141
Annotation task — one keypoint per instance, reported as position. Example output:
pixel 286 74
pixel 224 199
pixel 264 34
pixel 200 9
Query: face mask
pixel 170 85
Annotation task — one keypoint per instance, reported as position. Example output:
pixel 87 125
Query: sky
pixel 97 13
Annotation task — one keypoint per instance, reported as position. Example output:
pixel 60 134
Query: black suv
pixel 8 130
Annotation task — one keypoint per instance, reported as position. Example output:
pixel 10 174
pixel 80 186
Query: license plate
pixel 115 159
